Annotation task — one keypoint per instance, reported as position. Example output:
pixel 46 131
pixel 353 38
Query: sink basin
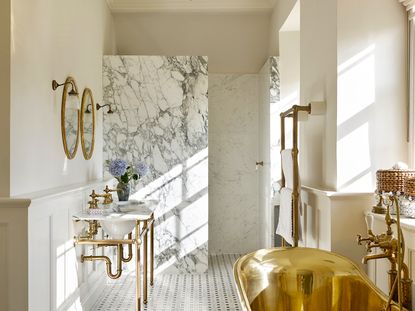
pixel 117 228
pixel 118 219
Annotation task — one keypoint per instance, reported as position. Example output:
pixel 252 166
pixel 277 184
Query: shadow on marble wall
pixel 181 232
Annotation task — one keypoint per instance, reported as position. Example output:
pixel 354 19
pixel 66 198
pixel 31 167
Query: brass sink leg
pixel 137 267
pixel 145 261
pixel 152 251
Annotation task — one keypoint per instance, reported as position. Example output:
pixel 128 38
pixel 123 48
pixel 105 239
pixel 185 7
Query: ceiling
pixel 217 6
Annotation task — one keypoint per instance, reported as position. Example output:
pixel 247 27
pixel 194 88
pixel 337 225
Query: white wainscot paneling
pixel 331 220
pixel 41 266
pixel 57 278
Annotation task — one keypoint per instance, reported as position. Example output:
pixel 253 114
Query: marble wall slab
pixel 275 89
pixel 275 126
pixel 233 181
pixel 161 118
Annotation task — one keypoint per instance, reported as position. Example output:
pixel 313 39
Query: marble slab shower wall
pixel 275 91
pixel 233 141
pixel 161 118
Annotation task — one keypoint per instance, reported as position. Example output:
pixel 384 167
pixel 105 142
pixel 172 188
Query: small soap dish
pixel 96 211
pixel 101 210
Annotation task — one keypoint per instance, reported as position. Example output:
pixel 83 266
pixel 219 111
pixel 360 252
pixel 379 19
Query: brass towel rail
pixel 293 113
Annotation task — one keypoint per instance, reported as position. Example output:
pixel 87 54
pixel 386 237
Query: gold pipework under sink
pixel 144 227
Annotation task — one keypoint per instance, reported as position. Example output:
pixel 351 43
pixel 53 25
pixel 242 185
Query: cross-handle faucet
pixel 94 203
pixel 372 240
pixel 108 199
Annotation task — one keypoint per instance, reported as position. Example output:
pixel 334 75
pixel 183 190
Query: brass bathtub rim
pixel 245 302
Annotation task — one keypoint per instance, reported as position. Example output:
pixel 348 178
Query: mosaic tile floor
pixel 212 291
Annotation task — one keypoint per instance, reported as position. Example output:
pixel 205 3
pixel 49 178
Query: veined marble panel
pixel 275 109
pixel 233 141
pixel 275 79
pixel 161 118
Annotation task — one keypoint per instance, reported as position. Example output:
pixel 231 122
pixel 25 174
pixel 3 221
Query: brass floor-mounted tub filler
pixel 307 279
pixel 393 249
pixel 135 216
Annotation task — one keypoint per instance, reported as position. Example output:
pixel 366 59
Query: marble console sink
pixel 119 218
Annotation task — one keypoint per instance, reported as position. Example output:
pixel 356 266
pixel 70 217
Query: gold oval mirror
pixel 70 118
pixel 87 124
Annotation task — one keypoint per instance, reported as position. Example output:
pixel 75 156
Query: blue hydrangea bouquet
pixel 124 172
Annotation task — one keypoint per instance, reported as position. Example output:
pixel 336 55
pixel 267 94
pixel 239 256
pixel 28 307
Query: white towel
pixel 287 164
pixel 285 224
pixel 287 167
pixel 285 220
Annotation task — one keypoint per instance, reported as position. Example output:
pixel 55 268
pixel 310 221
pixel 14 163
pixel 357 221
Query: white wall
pixel 233 150
pixel 318 75
pixel 280 13
pixel 357 65
pixel 234 43
pixel 5 98
pixel 51 40
pixel 371 100
pixel 290 67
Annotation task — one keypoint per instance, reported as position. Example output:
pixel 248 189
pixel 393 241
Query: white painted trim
pixel 57 192
pixel 335 194
pixel 217 6
pixel 407 223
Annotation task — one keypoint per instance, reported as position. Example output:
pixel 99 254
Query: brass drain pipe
pixel 130 250
pixel 108 262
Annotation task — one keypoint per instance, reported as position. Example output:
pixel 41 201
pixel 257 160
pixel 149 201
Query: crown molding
pixel 215 6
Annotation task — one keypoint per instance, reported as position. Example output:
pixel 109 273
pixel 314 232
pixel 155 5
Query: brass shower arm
pixel 55 85
pixel 106 105
pixel 98 107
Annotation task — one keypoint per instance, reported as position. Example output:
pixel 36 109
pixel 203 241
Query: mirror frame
pixel 84 106
pixel 69 82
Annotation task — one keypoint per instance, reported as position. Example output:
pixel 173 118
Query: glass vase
pixel 123 191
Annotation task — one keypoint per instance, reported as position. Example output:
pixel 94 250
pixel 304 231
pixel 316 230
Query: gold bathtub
pixel 304 279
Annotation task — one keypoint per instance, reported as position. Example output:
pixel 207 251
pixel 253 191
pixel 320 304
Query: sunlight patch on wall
pixel 356 84
pixel 67 281
pixel 196 178
pixel 353 152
